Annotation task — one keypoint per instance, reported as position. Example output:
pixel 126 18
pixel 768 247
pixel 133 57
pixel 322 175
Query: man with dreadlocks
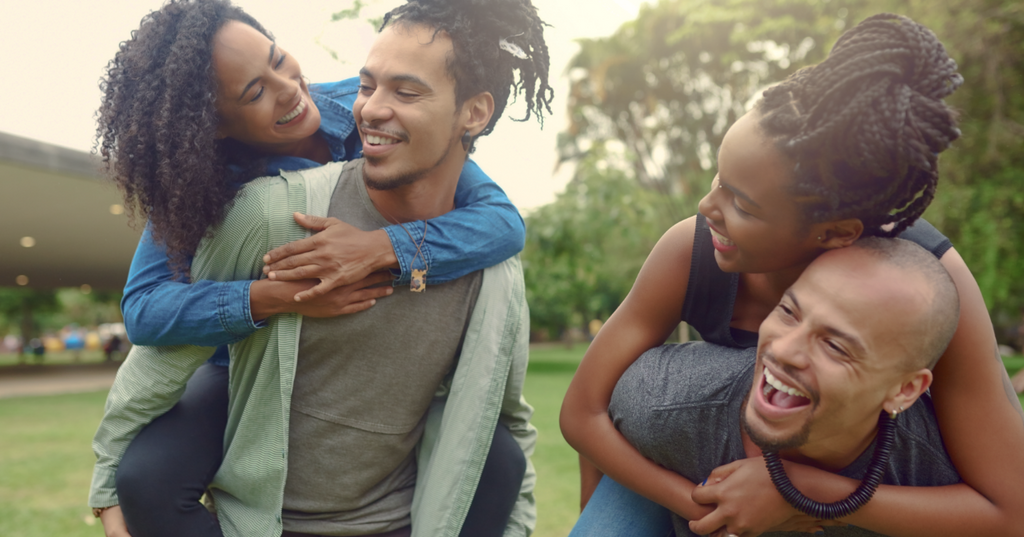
pixel 383 425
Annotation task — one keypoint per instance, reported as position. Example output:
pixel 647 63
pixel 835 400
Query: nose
pixel 790 348
pixel 287 87
pixel 708 205
pixel 375 108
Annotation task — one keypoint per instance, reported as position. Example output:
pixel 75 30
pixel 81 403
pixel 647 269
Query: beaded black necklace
pixel 857 499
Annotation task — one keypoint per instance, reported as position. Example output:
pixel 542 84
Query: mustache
pixel 767 356
pixel 401 135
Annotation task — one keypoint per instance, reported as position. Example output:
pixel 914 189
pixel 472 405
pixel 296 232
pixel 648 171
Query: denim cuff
pixel 402 272
pixel 233 309
pixel 405 251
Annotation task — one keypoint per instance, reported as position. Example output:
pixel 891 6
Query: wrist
pixel 386 257
pixel 267 298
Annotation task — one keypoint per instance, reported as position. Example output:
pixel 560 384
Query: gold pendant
pixel 419 281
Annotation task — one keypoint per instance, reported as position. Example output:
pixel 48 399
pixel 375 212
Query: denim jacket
pixel 486 386
pixel 486 229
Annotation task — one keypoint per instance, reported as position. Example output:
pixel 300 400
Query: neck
pixel 429 197
pixel 830 452
pixel 314 148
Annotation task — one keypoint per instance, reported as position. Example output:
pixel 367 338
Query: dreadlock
pixel 865 127
pixel 158 120
pixel 491 40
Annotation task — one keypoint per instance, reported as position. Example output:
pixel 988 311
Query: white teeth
pixel 380 140
pixel 718 236
pixel 770 380
pixel 293 114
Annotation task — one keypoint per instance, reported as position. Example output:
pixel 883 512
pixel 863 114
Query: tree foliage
pixel 584 250
pixel 652 102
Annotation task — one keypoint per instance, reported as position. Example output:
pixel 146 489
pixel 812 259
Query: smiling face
pixel 262 99
pixel 406 112
pixel 756 224
pixel 833 354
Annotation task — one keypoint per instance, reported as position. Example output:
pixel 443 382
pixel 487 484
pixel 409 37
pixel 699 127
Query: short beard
pixel 773 444
pixel 391 183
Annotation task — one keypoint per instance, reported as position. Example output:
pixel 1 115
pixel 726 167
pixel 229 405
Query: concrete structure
pixel 61 223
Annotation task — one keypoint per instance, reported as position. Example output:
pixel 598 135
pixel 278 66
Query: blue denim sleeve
pixel 483 230
pixel 160 309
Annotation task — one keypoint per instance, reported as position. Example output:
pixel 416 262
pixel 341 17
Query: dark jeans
pixel 168 466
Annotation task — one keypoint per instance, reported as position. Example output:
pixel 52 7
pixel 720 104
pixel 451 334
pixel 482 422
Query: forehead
pixel 856 294
pixel 749 160
pixel 402 51
pixel 238 49
pixel 236 40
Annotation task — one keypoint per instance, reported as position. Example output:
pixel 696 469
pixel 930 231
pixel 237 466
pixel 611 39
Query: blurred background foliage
pixel 30 312
pixel 648 107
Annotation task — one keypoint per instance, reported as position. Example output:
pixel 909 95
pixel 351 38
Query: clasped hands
pixel 745 503
pixel 335 271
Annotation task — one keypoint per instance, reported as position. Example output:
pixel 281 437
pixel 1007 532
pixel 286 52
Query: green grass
pixel 56 358
pixel 46 457
pixel 558 490
pixel 47 460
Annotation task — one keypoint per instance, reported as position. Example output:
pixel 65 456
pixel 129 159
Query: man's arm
pixel 515 414
pixel 148 384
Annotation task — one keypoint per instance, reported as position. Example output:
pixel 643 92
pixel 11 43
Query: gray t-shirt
pixel 363 384
pixel 679 405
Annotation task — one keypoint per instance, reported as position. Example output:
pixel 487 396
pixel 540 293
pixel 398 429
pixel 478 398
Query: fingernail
pixel 266 258
pixel 705 482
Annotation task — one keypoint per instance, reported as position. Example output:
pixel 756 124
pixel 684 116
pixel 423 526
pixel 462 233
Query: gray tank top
pixel 363 384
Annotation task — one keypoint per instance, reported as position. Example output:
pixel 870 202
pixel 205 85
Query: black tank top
pixel 711 293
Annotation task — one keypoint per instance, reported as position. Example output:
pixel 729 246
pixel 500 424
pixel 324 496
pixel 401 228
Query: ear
pixel 477 112
pixel 839 233
pixel 903 396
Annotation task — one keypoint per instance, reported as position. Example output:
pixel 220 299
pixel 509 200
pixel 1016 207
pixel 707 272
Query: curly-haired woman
pixel 198 102
pixel 845 148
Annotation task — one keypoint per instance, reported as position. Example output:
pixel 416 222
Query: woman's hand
pixel 337 254
pixel 268 298
pixel 113 522
pixel 747 503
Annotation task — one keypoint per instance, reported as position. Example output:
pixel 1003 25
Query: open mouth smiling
pixel 299 108
pixel 780 394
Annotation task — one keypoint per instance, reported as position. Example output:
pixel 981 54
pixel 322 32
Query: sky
pixel 55 52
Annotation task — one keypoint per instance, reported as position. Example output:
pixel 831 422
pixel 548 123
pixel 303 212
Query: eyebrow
pixel 270 59
pixel 737 192
pixel 854 341
pixel 399 78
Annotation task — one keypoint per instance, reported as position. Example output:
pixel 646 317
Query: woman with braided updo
pixel 202 100
pixel 840 150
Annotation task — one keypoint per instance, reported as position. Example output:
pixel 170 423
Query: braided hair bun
pixel 492 39
pixel 866 125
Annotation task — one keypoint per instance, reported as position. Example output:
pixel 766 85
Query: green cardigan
pixel 249 487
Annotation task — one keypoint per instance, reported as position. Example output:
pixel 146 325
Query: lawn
pixel 47 460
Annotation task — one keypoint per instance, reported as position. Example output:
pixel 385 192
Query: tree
pixel 654 100
pixel 584 250
pixel 23 304
pixel 659 94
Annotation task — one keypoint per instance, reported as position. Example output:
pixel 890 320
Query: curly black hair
pixel 865 127
pixel 491 40
pixel 158 120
